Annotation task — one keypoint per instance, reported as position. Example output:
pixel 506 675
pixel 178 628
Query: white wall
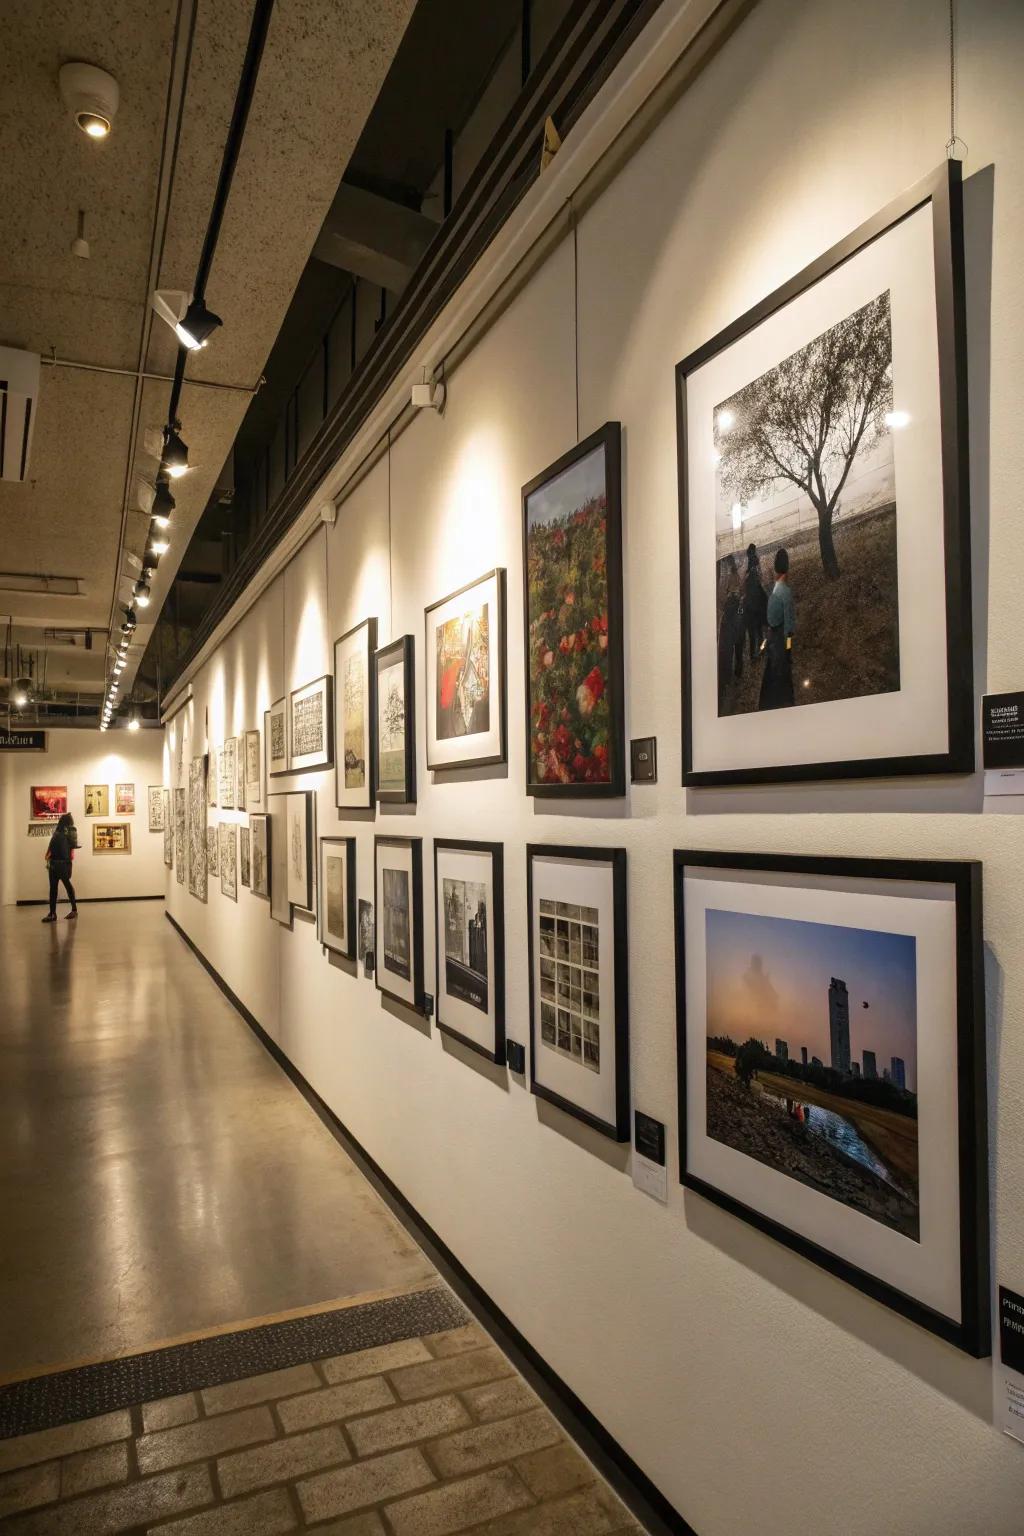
pixel 76 758
pixel 760 1394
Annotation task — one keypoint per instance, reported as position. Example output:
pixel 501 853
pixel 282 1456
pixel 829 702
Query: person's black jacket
pixel 59 851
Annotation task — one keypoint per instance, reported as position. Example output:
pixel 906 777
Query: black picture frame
pixel 308 797
pixel 367 803
pixel 942 189
pixel 415 846
pixel 615 858
pixel 349 951
pixel 972 1333
pixel 277 853
pixel 608 437
pixel 284 705
pixel 496 851
pixel 325 759
pixel 264 818
pixel 403 649
pixel 498 642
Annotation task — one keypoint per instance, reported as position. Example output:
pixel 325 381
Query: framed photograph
pixel 824 519
pixel 572 594
pixel 365 940
pixel 180 834
pixel 97 800
pixel 395 771
pixel 39 829
pixel 299 808
pixel 212 853
pixel 168 829
pixel 579 984
pixel 226 774
pixel 240 801
pixel 251 753
pixel 111 837
pixel 831 1060
pixel 124 799
pixel 211 777
pixel 198 853
pixel 277 827
pixel 227 841
pixel 49 801
pixel 465 656
pixel 469 931
pixel 243 855
pixel 155 807
pixel 336 909
pixel 354 703
pixel 311 731
pixel 275 735
pixel 398 888
pixel 259 828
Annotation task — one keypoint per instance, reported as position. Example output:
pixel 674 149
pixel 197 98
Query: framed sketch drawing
pixel 240 801
pixel 155 807
pixel 226 772
pixel 111 837
pixel 336 909
pixel 198 858
pixel 365 944
pixel 354 700
pixel 97 800
pixel 244 856
pixel 211 777
pixel 469 929
pixel 49 801
pixel 310 730
pixel 831 1055
pixel 572 594
pixel 124 799
pixel 395 771
pixel 398 886
pixel 212 852
pixel 465 659
pixel 259 827
pixel 277 827
pixel 168 830
pixel 227 839
pixel 299 809
pixel 579 992
pixel 251 754
pixel 275 735
pixel 180 834
pixel 824 521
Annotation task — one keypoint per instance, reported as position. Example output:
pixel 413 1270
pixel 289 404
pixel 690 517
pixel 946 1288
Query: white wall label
pixel 1010 1378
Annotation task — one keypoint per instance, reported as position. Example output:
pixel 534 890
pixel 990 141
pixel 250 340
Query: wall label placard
pixel 22 741
pixel 1002 737
pixel 1010 1381
pixel 649 1171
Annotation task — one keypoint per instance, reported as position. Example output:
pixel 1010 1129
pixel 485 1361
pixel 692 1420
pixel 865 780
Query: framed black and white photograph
pixel 212 852
pixel 277 830
pixel 310 728
pixel 227 839
pixel 227 774
pixel 275 736
pixel 395 751
pixel 365 937
pixel 469 929
pixel 244 855
pixel 824 518
pixel 831 1051
pixel 198 855
pixel 155 806
pixel 251 757
pixel 579 983
pixel 336 907
pixel 398 888
pixel 465 688
pixel 259 828
pixel 355 689
pixel 300 849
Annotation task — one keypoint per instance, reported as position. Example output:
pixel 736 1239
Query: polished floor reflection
pixel 159 1174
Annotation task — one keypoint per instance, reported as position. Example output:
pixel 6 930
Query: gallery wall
pixel 75 758
pixel 757 1392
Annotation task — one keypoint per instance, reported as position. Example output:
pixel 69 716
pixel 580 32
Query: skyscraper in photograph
pixel 839 1024
pixel 782 1050
pixel 803 1055
pixel 898 1071
pixel 870 1064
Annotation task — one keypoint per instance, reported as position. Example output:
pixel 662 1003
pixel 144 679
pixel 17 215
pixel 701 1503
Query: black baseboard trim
pixel 614 1463
pixel 62 901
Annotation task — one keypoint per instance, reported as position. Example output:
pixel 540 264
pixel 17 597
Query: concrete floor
pixel 159 1174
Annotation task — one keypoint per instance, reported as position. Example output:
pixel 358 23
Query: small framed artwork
pixel 299 807
pixel 227 839
pixel 111 837
pixel 240 801
pixel 398 888
pixel 579 988
pixel 275 734
pixel 824 519
pixel 259 827
pixel 97 800
pixel 180 834
pixel 395 772
pixel 49 801
pixel 168 830
pixel 226 774
pixel 277 828
pixel 354 703
pixel 465 651
pixel 365 940
pixel 253 786
pixel 243 855
pixel 124 799
pixel 155 807
pixel 212 853
pixel 198 857
pixel 469 929
pixel 572 594
pixel 310 730
pixel 831 1051
pixel 337 890
pixel 211 776
pixel 39 829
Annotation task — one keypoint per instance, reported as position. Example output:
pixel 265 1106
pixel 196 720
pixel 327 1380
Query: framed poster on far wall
pixel 465 661
pixel 824 519
pixel 469 932
pixel 155 805
pixel 49 801
pixel 124 799
pixel 395 773
pixel 310 730
pixel 355 692
pixel 275 736
pixel 398 887
pixel 336 909
pixel 831 1055
pixel 111 837
pixel 97 799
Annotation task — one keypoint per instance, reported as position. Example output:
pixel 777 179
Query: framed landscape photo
pixel 824 518
pixel 227 839
pixel 226 774
pixel 244 855
pixel 277 827
pixel 310 730
pixel 469 929
pixel 49 801
pixel 97 800
pixel 465 659
pixel 155 807
pixel 111 837
pixel 831 1055
pixel 398 888
pixel 124 799
pixel 259 827
pixel 355 692
pixel 180 834
pixel 275 735
pixel 168 829
pixel 198 851
pixel 299 808
pixel 336 909
pixel 251 754
pixel 579 984
pixel 572 593
pixel 395 771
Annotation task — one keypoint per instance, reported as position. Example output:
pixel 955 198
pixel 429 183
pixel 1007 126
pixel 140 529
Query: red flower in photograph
pixel 563 743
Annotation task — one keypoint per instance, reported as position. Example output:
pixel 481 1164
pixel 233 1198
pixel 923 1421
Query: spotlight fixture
pixel 93 96
pixel 151 557
pixel 174 458
pixel 130 620
pixel 133 723
pixel 159 544
pixel 163 503
pixel 141 590
pixel 21 693
pixel 197 325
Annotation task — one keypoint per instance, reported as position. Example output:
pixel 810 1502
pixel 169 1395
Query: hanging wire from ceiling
pixel 954 142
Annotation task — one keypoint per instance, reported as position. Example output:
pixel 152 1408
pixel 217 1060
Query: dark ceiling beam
pixel 374 238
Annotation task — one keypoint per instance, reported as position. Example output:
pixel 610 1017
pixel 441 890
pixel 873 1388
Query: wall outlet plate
pixel 515 1055
pixel 643 760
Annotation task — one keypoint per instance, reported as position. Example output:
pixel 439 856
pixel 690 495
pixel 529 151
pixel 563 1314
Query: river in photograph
pixel 838 1132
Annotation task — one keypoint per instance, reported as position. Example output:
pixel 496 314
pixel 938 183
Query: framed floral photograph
pixel 395 749
pixel 398 887
pixel 275 736
pixel 469 932
pixel 336 910
pixel 355 680
pixel 310 731
pixel 465 659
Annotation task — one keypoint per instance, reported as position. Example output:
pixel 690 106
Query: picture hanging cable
pixel 954 139
pixel 391 586
pixel 575 312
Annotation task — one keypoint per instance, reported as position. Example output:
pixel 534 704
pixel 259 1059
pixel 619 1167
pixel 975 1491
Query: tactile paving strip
pixel 87 1390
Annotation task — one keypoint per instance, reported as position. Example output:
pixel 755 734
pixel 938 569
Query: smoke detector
pixel 92 95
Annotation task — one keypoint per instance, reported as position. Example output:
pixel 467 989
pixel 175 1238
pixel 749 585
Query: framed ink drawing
pixel 226 774
pixel 336 910
pixel 227 837
pixel 198 853
pixel 398 887
pixel 244 855
pixel 579 985
pixel 395 773
pixel 168 830
pixel 831 1059
pixel 354 697
pixel 824 520
pixel 212 852
pixel 97 800
pixel 300 849
pixel 240 797
pixel 259 828
pixel 180 833
pixel 310 732
pixel 469 929
pixel 280 906
pixel 572 593
pixel 211 777
pixel 465 658
pixel 251 754
pixel 155 807
pixel 275 735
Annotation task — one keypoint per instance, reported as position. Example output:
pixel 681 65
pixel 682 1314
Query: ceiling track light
pixel 197 325
pixel 163 503
pixel 174 458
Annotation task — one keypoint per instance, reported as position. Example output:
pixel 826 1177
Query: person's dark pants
pixel 60 874
pixel 777 678
pixel 753 626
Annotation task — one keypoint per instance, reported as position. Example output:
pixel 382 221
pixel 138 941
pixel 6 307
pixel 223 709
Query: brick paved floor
pixel 420 1438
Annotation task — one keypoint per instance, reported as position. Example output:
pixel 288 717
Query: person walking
pixel 777 678
pixel 755 603
pixel 59 854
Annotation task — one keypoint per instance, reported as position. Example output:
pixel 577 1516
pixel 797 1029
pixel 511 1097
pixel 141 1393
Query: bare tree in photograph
pixel 806 420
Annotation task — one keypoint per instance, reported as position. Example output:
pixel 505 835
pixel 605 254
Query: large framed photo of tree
pixel 831 1057
pixel 824 521
pixel 395 745
pixel 469 932
pixel 572 594
pixel 398 892
pixel 355 679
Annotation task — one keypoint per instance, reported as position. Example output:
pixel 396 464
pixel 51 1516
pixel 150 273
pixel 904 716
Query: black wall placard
pixel 649 1137
pixel 1002 730
pixel 1011 1329
pixel 22 741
